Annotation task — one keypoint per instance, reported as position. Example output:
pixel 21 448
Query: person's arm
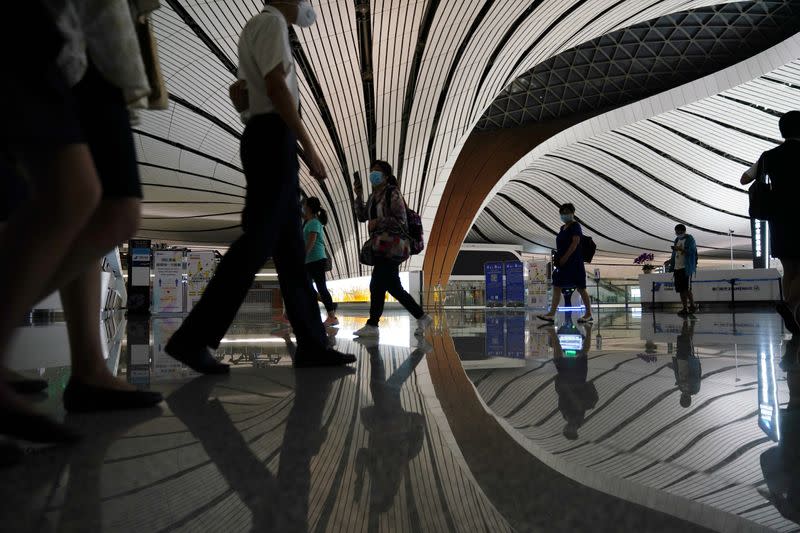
pixel 750 175
pixel 359 206
pixel 283 101
pixel 576 240
pixel 362 213
pixel 239 95
pixel 310 242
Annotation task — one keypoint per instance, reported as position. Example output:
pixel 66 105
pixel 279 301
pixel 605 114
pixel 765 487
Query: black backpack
pixel 588 248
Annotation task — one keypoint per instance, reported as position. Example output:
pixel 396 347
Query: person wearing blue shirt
pixel 317 254
pixel 684 266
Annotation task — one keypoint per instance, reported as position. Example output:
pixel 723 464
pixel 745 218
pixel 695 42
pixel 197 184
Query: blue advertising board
pixel 515 283
pixel 494 284
pixel 515 336
pixel 495 335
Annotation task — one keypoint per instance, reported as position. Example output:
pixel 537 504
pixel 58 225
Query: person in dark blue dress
pixel 569 271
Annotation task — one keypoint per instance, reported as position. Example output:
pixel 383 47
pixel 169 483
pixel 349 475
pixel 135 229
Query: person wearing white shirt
pixel 267 96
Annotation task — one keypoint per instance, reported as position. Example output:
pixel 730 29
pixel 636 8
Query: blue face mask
pixel 376 177
pixel 566 219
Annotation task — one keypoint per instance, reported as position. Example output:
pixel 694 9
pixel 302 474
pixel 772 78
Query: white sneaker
pixel 423 324
pixel 368 331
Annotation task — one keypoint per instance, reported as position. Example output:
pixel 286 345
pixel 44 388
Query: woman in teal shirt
pixel 316 253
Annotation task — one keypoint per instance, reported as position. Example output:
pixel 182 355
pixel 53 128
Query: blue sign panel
pixel 494 284
pixel 515 283
pixel 495 335
pixel 515 336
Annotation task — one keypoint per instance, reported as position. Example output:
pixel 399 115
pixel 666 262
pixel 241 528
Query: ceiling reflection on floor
pixel 495 422
pixel 698 408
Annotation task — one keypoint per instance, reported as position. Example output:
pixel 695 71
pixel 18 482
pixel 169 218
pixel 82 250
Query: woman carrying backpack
pixel 315 218
pixel 569 271
pixel 388 246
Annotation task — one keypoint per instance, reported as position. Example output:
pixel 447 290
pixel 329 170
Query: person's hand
pixel 358 188
pixel 239 96
pixel 315 165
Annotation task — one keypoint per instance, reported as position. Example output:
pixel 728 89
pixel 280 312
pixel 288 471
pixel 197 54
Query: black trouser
pixel 316 273
pixel 386 277
pixel 271 224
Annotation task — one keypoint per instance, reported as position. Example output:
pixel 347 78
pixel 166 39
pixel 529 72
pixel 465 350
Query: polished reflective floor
pixel 495 422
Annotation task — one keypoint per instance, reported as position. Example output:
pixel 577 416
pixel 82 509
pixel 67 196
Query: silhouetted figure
pixel 277 503
pixel 389 245
pixel 395 435
pixel 686 364
pixel 569 269
pixel 575 394
pixel 781 464
pixel 270 109
pixel 780 165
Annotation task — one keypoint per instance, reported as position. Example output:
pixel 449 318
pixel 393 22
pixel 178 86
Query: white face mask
pixel 306 16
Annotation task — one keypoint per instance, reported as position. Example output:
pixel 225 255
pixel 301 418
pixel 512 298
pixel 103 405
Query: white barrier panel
pixel 168 282
pixel 200 268
pixel 708 286
pixel 356 290
pixel 538 284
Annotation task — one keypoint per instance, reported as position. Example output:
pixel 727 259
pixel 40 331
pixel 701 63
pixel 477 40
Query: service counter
pixel 715 286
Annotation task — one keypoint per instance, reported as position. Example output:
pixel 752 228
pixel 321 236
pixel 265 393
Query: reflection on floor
pixel 638 422
pixel 666 407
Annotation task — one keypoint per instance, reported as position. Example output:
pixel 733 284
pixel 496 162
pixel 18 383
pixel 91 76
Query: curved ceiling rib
pixel 406 81
pixel 677 181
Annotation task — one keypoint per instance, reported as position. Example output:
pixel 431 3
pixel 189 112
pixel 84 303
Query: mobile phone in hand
pixel 357 185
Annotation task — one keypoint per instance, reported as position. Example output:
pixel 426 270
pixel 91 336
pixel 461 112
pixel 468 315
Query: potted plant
pixel 644 260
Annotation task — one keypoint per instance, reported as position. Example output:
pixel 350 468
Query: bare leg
pixel 690 298
pixel 685 299
pixel 587 302
pixel 81 302
pixel 556 300
pixel 114 221
pixel 40 233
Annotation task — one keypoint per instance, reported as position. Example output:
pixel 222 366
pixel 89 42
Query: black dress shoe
pixel 788 318
pixel 27 386
pixel 36 428
pixel 198 359
pixel 80 397
pixel 322 358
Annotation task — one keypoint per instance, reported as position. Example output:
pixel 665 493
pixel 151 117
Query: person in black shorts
pixel 684 266
pixel 74 150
